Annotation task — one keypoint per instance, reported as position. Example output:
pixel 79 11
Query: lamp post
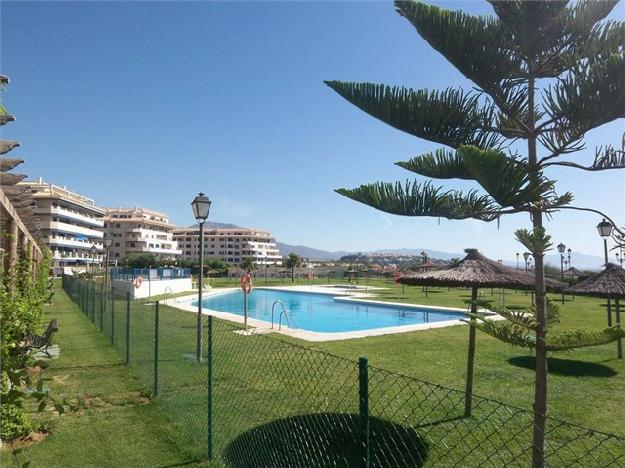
pixel 94 250
pixel 517 260
pixel 107 244
pixel 526 257
pixel 561 250
pixel 619 258
pixel 201 206
pixel 605 230
pixel 569 256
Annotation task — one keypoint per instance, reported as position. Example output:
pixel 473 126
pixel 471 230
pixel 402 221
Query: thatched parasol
pixel 609 283
pixel 8 145
pixel 475 271
pixel 8 164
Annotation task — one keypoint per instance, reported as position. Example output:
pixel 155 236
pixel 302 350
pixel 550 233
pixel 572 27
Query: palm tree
pixel 506 56
pixel 293 261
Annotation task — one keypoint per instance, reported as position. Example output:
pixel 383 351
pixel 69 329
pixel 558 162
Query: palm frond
pixel 554 33
pixel 565 340
pixel 451 117
pixel 504 178
pixel 414 199
pixel 609 157
pixel 591 95
pixel 439 164
pixel 507 332
pixel 487 56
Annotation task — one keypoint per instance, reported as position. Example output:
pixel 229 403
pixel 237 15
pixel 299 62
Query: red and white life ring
pixel 396 275
pixel 137 282
pixel 246 283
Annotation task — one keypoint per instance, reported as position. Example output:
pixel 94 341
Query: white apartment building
pixel 71 225
pixel 231 245
pixel 140 231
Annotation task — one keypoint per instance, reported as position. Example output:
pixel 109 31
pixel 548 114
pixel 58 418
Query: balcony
pixel 81 244
pixel 156 250
pixel 73 229
pixel 75 257
pixel 72 214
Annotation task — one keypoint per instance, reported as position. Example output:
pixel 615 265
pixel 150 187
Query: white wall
pixel 153 288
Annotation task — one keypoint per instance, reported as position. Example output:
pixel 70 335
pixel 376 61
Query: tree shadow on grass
pixel 324 440
pixel 566 367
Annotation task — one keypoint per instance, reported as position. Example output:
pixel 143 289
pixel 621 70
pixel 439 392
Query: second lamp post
pixel 605 230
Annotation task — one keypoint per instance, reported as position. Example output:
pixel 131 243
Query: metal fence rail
pixel 256 400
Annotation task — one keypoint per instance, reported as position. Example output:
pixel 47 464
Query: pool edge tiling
pixel 186 303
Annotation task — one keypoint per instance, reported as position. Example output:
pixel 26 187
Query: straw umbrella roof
pixel 475 270
pixel 609 282
pixel 8 145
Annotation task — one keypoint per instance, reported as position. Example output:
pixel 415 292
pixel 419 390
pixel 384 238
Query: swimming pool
pixel 323 313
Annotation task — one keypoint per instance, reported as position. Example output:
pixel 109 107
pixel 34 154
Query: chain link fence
pixel 255 400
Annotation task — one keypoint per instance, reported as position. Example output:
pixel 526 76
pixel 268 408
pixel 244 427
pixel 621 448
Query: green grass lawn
pixel 274 396
pixel 118 426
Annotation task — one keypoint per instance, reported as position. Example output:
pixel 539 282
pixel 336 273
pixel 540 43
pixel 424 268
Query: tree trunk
pixel 540 388
pixel 292 274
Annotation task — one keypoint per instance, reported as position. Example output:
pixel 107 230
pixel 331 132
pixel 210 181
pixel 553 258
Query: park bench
pixel 42 342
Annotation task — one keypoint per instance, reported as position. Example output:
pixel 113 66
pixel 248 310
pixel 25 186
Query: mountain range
pixel 578 260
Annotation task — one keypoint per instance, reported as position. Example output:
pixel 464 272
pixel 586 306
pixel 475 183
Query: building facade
pixel 231 245
pixel 71 225
pixel 139 231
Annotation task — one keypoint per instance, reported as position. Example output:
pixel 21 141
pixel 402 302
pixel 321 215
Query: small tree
pixel 293 261
pixel 248 264
pixel 583 61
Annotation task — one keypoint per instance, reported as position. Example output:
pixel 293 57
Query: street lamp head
pixel 107 242
pixel 526 255
pixel 201 206
pixel 569 251
pixel 561 247
pixel 604 228
pixel 94 249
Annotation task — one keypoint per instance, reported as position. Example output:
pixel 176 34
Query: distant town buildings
pixel 71 224
pixel 231 245
pixel 139 231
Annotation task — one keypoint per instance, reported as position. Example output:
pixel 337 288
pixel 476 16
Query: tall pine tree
pixel 579 58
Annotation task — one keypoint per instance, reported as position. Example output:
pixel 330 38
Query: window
pixel 117 245
pixel 117 225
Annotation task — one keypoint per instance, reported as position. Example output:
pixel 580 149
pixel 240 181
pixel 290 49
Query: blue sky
pixel 137 103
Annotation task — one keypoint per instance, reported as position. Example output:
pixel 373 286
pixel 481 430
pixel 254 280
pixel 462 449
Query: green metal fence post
pixel 363 379
pixel 127 328
pixel 112 316
pixel 209 361
pixel 93 303
pixel 102 305
pixel 156 313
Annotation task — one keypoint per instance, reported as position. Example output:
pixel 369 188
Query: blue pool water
pixel 321 313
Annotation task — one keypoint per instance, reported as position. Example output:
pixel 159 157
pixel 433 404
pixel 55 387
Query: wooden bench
pixel 42 342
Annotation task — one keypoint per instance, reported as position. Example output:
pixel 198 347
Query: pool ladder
pixel 289 317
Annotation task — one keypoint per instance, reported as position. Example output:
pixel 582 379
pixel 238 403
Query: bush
pixel 13 422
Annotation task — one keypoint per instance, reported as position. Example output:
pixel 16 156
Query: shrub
pixel 13 422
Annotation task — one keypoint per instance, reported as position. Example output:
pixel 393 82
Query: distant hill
pixel 579 260
pixel 309 252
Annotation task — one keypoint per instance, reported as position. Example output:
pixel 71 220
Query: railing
pixel 149 274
